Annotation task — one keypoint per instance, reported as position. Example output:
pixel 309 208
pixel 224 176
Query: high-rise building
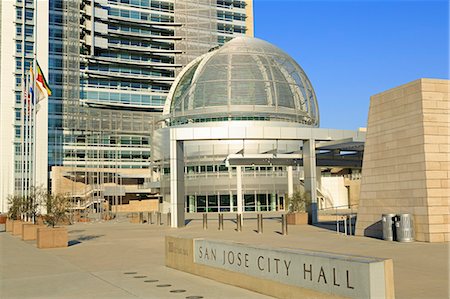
pixel 110 64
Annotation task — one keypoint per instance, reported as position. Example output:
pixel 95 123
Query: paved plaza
pixel 117 259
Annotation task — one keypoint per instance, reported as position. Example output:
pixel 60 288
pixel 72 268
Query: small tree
pixel 298 202
pixel 57 207
pixel 34 201
pixel 15 203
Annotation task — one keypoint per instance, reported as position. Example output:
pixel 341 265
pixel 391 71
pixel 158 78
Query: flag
pixel 30 84
pixel 44 90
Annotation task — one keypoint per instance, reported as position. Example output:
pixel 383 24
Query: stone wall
pixel 406 160
pixel 148 205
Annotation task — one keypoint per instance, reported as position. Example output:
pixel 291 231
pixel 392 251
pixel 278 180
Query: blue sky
pixel 351 50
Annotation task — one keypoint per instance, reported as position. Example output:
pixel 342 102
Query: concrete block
pixel 52 237
pixel 17 228
pixel 9 225
pixel 436 237
pixel 439 228
pixel 29 231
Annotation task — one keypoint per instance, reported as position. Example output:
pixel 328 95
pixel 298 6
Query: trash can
pixel 388 226
pixel 404 228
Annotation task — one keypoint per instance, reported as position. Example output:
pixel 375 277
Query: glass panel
pixel 212 203
pixel 201 203
pixel 249 202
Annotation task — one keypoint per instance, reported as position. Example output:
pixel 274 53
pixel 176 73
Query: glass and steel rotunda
pixel 247 85
pixel 246 79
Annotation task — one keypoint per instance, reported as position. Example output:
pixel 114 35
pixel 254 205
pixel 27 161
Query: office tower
pixel 110 65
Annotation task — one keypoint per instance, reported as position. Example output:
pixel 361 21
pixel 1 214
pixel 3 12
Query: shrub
pixel 57 207
pixel 15 203
pixel 298 202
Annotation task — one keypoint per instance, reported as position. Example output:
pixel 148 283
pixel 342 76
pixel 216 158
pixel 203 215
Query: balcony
pixel 117 19
pixel 144 49
pixel 131 77
pixel 143 36
pixel 107 60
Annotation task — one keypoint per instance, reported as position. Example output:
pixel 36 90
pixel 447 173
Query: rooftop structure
pixel 246 78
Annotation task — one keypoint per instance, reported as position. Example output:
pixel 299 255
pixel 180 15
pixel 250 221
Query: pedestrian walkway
pixel 117 259
pixel 104 260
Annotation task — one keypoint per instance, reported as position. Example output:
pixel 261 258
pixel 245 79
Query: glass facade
pixel 111 66
pixel 129 53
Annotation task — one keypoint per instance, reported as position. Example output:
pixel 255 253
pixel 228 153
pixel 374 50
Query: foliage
pixel 15 206
pixel 57 207
pixel 26 205
pixel 298 202
pixel 34 201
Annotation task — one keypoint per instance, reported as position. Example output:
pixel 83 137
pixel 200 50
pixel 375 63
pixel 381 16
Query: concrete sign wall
pixel 355 277
pixel 283 273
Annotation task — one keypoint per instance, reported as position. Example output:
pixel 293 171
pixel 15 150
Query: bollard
pixel 238 222
pixel 158 218
pixel 260 223
pixel 205 221
pixel 141 217
pixel 284 226
pixel 168 219
pixel 150 218
pixel 220 221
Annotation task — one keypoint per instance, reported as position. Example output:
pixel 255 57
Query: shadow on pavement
pixel 81 239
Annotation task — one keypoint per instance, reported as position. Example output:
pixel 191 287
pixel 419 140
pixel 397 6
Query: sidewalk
pixel 99 255
pixel 94 266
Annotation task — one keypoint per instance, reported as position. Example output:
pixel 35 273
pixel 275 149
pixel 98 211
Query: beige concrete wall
pixel 354 187
pixel 64 185
pixel 406 160
pixel 149 205
pixel 180 255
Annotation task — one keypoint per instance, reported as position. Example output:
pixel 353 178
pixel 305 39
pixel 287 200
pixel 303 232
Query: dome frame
pixel 246 77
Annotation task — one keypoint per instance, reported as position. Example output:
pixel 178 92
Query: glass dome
pixel 245 79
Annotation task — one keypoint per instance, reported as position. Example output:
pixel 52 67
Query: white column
pixel 309 164
pixel 239 189
pixel 176 181
pixel 7 102
pixel 40 156
pixel 290 178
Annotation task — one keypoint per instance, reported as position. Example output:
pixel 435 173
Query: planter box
pixel 52 237
pixel 17 227
pixel 9 225
pixel 297 218
pixel 3 219
pixel 29 231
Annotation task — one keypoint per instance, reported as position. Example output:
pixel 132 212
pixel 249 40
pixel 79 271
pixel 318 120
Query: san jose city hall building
pixel 175 106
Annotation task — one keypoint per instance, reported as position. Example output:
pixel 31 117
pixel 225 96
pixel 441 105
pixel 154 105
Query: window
pixel 18 98
pixel 17 131
pixel 17 149
pixel 29 15
pixel 29 47
pixel 19 13
pixel 18 47
pixel 28 31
